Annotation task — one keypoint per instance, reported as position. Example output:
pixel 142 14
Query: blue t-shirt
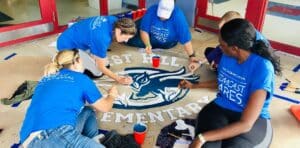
pixel 58 100
pixel 238 81
pixel 94 34
pixel 174 29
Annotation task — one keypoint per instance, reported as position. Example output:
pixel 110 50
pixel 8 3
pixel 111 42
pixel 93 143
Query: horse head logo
pixel 154 87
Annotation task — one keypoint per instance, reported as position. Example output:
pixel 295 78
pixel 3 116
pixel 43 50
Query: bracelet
pixel 148 44
pixel 192 55
pixel 201 138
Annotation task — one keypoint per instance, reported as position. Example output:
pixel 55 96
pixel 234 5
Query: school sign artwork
pixel 151 88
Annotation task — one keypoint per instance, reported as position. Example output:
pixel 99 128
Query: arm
pixel 207 84
pixel 213 84
pixel 101 65
pixel 184 34
pixel 105 103
pixel 145 26
pixel 249 116
pixel 146 40
pixel 189 51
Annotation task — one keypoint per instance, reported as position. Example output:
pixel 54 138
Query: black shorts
pixel 213 116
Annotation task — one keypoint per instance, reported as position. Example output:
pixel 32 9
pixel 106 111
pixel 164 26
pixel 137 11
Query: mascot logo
pixel 153 87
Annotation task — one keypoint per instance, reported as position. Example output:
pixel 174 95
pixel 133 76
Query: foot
pixel 92 76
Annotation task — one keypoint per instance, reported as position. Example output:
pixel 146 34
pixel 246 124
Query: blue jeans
pixel 68 136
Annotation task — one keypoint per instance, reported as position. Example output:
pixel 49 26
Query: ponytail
pixel 63 59
pixel 260 48
pixel 51 68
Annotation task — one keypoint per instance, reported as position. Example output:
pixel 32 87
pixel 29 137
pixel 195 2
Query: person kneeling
pixel 57 115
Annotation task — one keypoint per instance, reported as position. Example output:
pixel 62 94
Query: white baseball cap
pixel 165 8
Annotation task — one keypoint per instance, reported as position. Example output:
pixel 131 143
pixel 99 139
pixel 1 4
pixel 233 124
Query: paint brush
pixel 293 90
pixel 173 135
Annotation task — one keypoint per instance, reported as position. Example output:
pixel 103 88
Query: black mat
pixel 4 17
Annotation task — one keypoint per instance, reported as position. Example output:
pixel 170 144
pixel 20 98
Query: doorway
pixel 276 19
pixel 23 20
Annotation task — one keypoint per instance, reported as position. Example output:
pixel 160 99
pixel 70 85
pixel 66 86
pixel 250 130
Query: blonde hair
pixel 126 25
pixel 228 16
pixel 63 59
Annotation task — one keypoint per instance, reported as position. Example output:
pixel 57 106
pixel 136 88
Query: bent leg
pixel 260 136
pixel 89 63
pixel 87 123
pixel 210 117
pixel 64 136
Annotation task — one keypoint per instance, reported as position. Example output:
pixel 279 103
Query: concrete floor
pixel 32 56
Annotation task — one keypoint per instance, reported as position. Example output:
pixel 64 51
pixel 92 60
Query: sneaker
pixel 99 138
pixel 114 139
pixel 92 76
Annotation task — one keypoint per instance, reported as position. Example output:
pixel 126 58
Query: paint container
pixel 134 15
pixel 155 61
pixel 139 132
pixel 129 15
pixel 143 11
pixel 139 13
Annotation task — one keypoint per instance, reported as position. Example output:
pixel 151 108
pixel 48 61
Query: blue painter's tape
pixel 16 104
pixel 16 145
pixel 287 99
pixel 283 86
pixel 297 68
pixel 10 56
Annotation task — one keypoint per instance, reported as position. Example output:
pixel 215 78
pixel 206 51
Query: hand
pixel 193 59
pixel 196 144
pixel 148 49
pixel 193 66
pixel 213 66
pixel 185 84
pixel 113 92
pixel 125 80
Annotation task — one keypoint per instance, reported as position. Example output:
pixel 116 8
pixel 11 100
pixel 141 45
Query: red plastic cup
pixel 139 132
pixel 144 11
pixel 139 13
pixel 155 61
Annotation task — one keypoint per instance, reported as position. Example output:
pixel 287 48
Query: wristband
pixel 148 45
pixel 201 138
pixel 192 55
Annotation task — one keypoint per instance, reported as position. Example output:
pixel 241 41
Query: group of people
pixel 59 116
